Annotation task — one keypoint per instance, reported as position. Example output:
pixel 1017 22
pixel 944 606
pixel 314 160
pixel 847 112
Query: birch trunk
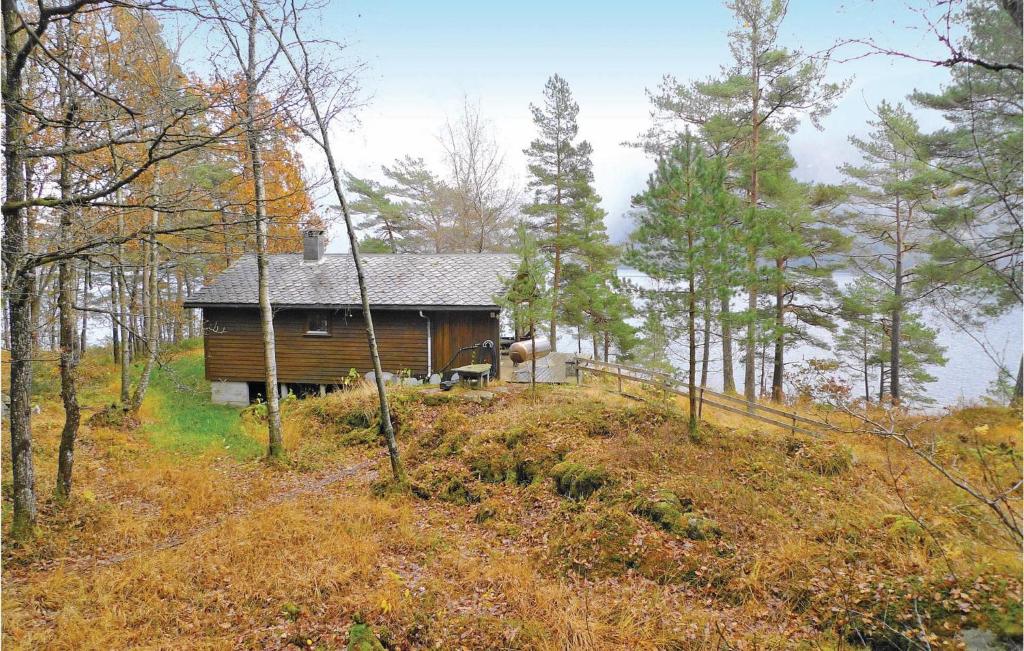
pixel 122 306
pixel 66 313
pixel 153 331
pixel 324 142
pixel 275 447
pixel 19 296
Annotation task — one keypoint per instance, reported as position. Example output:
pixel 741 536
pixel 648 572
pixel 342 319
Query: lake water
pixel 965 378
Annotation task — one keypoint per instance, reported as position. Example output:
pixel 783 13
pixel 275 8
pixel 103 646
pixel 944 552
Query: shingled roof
pixel 404 280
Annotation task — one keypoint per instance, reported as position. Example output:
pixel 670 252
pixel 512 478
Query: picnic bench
pixel 481 373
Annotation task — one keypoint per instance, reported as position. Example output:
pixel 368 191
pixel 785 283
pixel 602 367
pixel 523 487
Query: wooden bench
pixel 481 373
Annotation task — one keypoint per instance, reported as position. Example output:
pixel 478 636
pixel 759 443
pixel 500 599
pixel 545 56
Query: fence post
pixel 618 372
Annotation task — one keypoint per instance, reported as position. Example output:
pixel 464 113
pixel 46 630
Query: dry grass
pixel 163 548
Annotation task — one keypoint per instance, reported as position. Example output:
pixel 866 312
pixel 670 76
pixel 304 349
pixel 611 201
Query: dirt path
pixel 308 486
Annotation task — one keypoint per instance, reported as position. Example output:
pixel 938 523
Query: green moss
pixel 366 436
pixel 701 528
pixel 904 529
pixel 291 611
pixel 577 481
pixel 666 510
pixel 361 638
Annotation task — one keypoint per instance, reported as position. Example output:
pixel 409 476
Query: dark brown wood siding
pixel 456 329
pixel 234 351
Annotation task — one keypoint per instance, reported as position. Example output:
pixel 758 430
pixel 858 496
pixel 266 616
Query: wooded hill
pixel 576 518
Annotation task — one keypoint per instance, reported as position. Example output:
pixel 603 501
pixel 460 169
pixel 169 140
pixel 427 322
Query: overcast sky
pixel 423 58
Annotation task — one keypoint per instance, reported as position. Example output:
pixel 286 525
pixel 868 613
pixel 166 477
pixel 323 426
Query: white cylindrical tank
pixel 522 351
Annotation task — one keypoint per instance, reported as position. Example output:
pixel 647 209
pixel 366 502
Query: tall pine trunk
pixel 556 275
pixel 749 369
pixel 728 369
pixel 705 354
pixel 750 360
pixel 691 323
pixel 778 366
pixel 897 313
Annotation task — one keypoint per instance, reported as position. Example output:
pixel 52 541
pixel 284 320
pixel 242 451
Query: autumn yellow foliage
pixel 576 519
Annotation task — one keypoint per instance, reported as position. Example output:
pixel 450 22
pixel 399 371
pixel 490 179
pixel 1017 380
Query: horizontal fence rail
pixel 753 410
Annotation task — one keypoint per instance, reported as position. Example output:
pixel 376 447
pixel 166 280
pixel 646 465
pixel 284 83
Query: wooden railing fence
pixel 786 420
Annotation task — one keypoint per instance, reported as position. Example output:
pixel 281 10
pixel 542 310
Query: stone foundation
pixel 235 394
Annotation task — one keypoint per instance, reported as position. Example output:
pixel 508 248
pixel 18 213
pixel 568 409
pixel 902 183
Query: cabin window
pixel 318 323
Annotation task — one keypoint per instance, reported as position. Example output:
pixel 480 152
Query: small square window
pixel 318 323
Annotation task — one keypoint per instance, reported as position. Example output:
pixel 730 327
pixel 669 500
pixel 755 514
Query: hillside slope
pixel 572 519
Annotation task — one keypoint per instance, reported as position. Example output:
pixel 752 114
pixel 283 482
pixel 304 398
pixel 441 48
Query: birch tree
pixel 326 91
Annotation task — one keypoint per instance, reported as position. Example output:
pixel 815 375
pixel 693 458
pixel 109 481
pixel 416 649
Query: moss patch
pixel 578 481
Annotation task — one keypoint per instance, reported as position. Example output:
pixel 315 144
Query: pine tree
pixel 678 242
pixel 858 344
pixel 526 294
pixel 594 300
pixel 763 92
pixel 561 178
pixel 980 248
pixel 383 219
pixel 891 189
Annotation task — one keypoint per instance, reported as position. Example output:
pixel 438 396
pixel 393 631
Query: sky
pixel 423 60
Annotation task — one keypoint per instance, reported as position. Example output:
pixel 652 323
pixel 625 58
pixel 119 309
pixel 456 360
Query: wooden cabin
pixel 425 307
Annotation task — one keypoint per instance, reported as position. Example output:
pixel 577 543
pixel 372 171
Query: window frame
pixel 312 314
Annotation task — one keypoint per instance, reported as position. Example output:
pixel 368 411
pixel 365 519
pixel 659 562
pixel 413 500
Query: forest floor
pixel 573 518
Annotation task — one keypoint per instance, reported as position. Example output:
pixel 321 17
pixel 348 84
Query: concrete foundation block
pixel 235 394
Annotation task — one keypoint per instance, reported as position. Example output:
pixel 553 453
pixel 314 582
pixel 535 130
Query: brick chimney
pixel 312 245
